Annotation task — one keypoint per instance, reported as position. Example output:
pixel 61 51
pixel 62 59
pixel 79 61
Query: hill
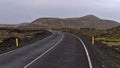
pixel 8 25
pixel 113 32
pixel 89 21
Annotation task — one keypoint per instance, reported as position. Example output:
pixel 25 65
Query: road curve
pixel 60 50
pixel 20 57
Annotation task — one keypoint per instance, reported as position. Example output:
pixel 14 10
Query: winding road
pixel 60 50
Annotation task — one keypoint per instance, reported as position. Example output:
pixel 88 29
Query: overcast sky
pixel 20 11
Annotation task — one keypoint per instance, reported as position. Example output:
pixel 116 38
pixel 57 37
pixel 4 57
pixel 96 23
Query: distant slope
pixel 92 21
pixel 23 24
pixel 14 25
pixel 8 25
pixel 116 29
pixel 50 22
pixel 89 21
pixel 112 33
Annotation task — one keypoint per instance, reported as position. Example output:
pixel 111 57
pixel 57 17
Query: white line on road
pixel 44 52
pixel 87 53
pixel 24 46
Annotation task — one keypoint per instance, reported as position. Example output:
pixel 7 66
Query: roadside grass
pixel 109 41
pixel 25 36
pixel 112 43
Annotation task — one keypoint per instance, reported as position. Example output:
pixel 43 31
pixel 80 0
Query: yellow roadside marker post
pixel 93 40
pixel 17 42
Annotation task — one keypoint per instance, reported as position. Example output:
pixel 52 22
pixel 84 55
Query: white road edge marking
pixel 87 53
pixel 21 47
pixel 44 52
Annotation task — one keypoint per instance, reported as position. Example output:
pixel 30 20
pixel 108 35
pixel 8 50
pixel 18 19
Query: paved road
pixel 60 50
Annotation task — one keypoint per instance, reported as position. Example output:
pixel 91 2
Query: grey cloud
pixel 17 11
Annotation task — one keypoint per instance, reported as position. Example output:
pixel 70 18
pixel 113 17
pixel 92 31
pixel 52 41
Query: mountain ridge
pixel 88 21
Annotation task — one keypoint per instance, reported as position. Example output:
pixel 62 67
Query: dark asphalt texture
pixel 69 53
pixel 20 57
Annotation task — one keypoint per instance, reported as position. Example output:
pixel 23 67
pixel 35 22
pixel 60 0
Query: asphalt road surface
pixel 60 50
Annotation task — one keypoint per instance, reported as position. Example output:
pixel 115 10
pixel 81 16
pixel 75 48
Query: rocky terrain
pixel 89 21
pixel 25 37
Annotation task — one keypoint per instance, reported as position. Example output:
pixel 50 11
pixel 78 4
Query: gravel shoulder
pixel 100 53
